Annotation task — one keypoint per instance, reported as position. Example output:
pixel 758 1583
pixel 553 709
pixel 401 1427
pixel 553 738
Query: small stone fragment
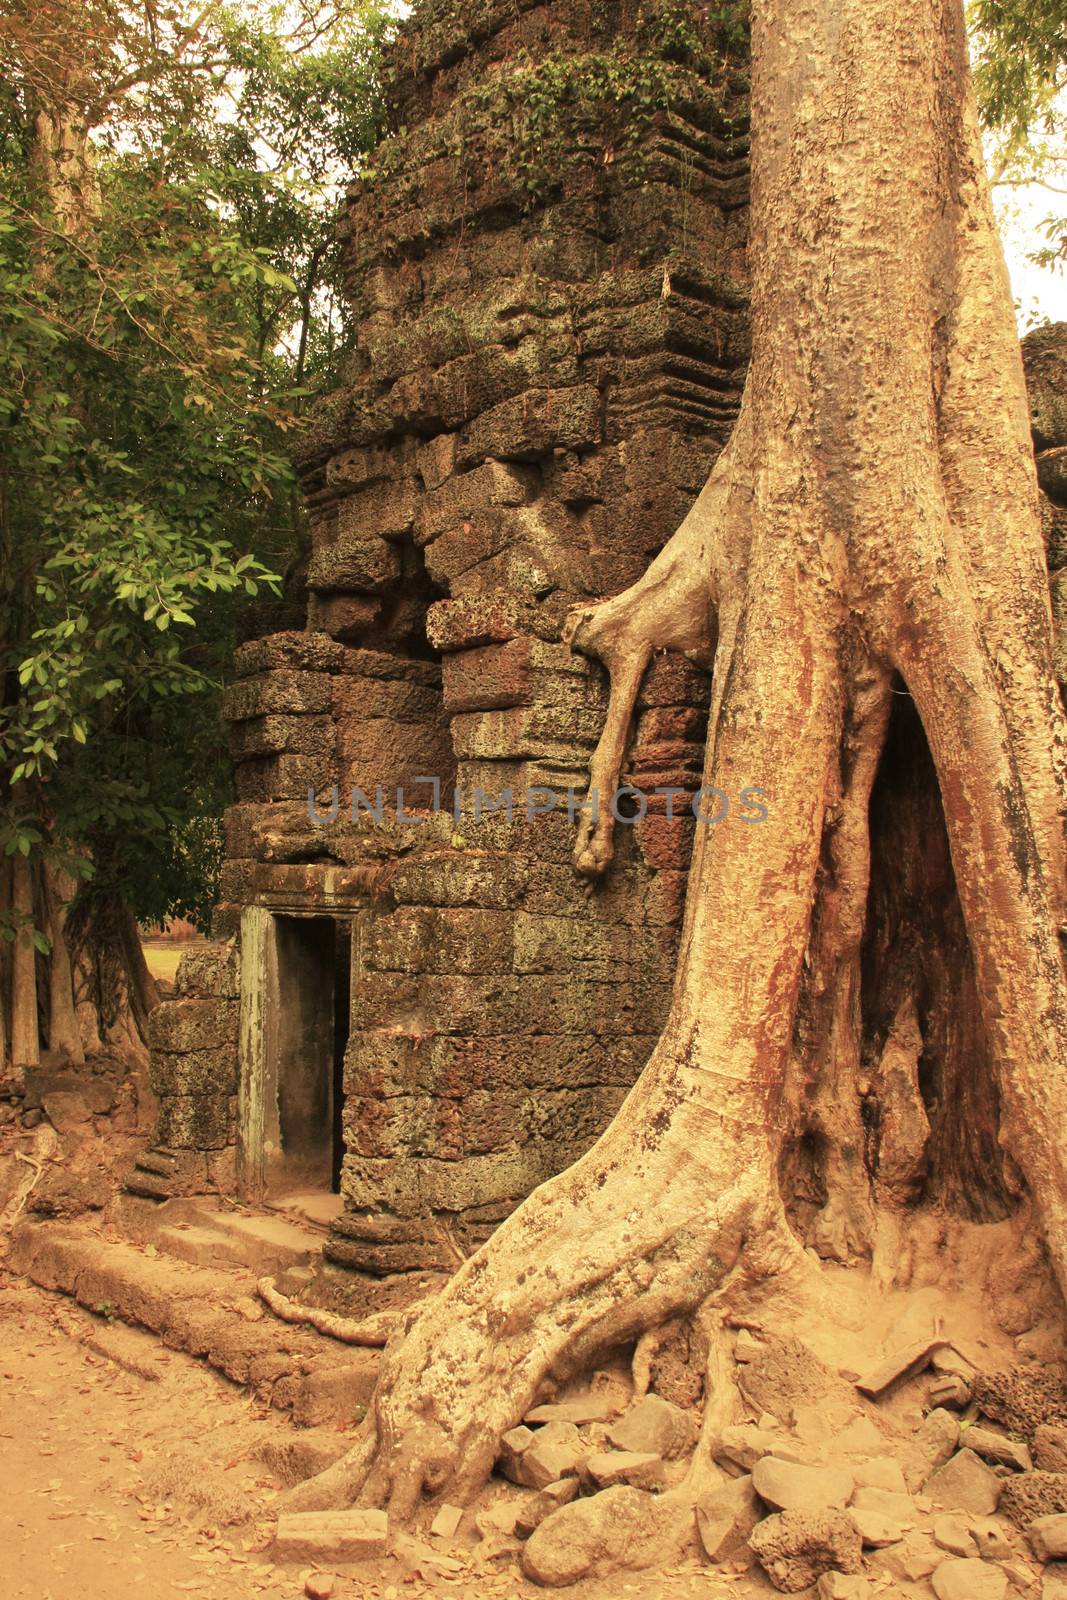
pixel 1048 1537
pixel 447 1521
pixel 965 1484
pixel 743 1444
pixel 910 1561
pixel 796 1547
pixel 950 1390
pixel 934 1443
pixel 1050 1447
pixel 836 1586
pixel 330 1535
pixel 557 1451
pixel 882 1472
pixel 513 1446
pixel 586 1408
pixel 996 1447
pixel 655 1427
pixel 788 1486
pixel 726 1517
pixel 554 1495
pixel 898 1366
pixel 951 1533
pixel 886 1503
pixel 875 1530
pixel 501 1518
pixel 319 1586
pixel 969 1579
pixel 991 1541
pixel 640 1468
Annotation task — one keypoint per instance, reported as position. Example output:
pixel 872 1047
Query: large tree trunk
pixel 869 538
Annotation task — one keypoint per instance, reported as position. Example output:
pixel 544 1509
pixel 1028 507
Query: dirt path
pixel 115 1483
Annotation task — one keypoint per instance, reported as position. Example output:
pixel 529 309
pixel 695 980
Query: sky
pixel 1040 292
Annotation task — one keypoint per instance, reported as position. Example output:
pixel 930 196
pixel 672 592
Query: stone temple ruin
pixel 546 275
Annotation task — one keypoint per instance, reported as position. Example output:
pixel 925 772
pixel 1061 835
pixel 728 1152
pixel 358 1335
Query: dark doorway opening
pixel 309 1032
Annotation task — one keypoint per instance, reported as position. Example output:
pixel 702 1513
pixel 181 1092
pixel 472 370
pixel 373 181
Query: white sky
pixel 1040 292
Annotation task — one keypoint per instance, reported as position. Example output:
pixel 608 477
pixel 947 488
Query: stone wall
pixel 546 272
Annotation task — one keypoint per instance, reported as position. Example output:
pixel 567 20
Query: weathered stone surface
pixel 900 1508
pixel 655 1425
pixel 331 1535
pixel 1050 1447
pixel 836 1586
pixel 194 1071
pixel 790 1486
pixel 965 1484
pixel 1033 1494
pixel 542 1505
pixel 952 1533
pixel 910 1561
pixel 796 1547
pixel 726 1516
pixel 993 1446
pixel 556 1451
pixel 1048 1537
pixel 447 1520
pixel 879 1472
pixel 641 1469
pixel 875 1530
pixel 969 1580
pixel 192 1024
pixel 933 1444
pixel 585 1408
pixel 618 1529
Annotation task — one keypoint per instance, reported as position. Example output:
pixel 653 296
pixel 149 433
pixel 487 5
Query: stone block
pixel 488 677
pixel 965 1484
pixel 493 484
pixel 193 1024
pixel 386 510
pixel 364 565
pixel 343 616
pixel 276 735
pixel 397 699
pixel 354 469
pixel 194 1072
pixel 331 1536
pixel 490 618
pixel 284 691
pixel 531 425
pixel 195 1121
pixel 461 879
pixel 303 652
pixel 209 970
pixel 456 940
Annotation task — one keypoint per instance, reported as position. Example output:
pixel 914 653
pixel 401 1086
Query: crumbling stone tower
pixel 546 274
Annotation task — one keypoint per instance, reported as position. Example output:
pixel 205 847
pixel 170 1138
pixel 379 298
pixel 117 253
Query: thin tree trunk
pixel 25 1044
pixel 64 1034
pixel 873 524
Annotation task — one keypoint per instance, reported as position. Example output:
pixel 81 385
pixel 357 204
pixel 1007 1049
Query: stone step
pixel 265 1245
pixel 210 1313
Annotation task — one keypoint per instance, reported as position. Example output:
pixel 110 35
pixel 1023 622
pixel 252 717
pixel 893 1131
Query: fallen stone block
pixel 726 1517
pixel 1048 1537
pixel 881 1472
pixel 331 1535
pixel 640 1468
pixel 996 1447
pixel 969 1579
pixel 965 1484
pixel 875 1530
pixel 933 1444
pixel 622 1528
pixel 655 1426
pixel 447 1520
pixel 542 1505
pixel 795 1548
pixel 586 1408
pixel 836 1586
pixel 897 1367
pixel 789 1486
pixel 951 1533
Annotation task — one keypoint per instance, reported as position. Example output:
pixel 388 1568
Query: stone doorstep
pixel 213 1236
pixel 212 1314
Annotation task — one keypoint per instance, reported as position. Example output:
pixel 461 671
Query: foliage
pixel 1020 54
pixel 168 284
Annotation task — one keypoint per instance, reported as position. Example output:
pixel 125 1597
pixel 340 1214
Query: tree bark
pixel 25 1044
pixel 870 533
pixel 64 1034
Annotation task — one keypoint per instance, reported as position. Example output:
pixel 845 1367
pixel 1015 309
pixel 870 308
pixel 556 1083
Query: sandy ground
pixel 101 1473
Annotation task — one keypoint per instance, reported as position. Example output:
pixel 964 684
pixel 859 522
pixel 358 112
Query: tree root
pixel 373 1332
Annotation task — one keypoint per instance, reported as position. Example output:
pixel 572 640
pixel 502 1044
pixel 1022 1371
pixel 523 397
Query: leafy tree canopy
pixel 168 290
